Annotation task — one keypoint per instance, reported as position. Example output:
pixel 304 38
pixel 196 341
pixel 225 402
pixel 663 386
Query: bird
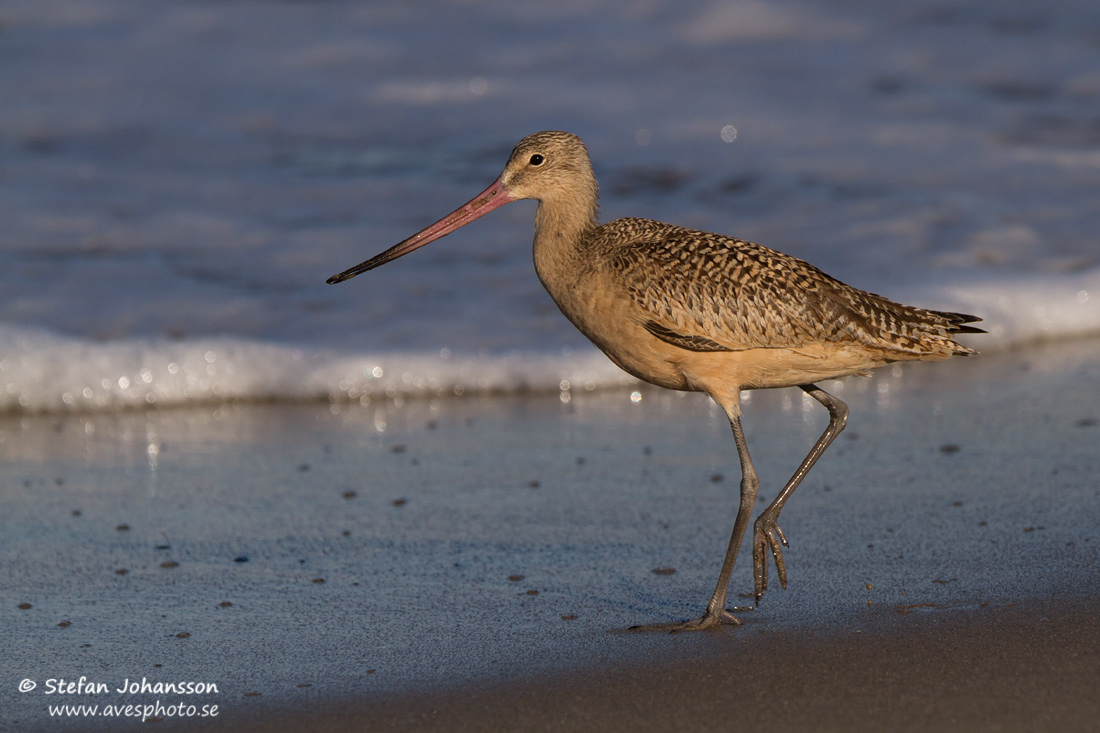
pixel 695 311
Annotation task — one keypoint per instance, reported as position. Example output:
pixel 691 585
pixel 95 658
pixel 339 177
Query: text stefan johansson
pixel 84 687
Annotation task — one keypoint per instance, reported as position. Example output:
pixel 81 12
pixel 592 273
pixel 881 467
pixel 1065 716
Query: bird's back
pixel 718 293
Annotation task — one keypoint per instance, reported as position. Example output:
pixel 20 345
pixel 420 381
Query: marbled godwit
pixel 694 311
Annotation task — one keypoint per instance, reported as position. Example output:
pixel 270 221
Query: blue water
pixel 177 179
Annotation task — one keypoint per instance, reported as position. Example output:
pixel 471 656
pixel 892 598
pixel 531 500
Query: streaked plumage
pixel 691 310
pixel 740 295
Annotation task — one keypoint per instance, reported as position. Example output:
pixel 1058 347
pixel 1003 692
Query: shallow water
pixel 179 178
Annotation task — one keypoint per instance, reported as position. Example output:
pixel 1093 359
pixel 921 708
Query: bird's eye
pixel 537 159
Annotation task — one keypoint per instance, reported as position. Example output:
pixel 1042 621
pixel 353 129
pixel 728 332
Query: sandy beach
pixel 466 564
pixel 1001 669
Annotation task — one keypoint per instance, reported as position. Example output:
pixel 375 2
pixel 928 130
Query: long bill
pixel 493 197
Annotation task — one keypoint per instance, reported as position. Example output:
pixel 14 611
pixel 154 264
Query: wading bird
pixel 695 311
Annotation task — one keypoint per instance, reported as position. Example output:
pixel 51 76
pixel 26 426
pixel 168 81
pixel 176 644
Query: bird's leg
pixel 766 533
pixel 716 613
pixel 750 484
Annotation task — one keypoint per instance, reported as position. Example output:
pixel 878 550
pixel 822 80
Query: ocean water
pixel 179 178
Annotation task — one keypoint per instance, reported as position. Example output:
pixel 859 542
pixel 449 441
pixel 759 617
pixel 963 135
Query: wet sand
pixel 1023 667
pixel 473 563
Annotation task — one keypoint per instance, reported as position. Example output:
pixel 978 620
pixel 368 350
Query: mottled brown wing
pixel 712 291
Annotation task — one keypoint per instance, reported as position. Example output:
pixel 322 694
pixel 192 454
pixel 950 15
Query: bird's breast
pixel 603 311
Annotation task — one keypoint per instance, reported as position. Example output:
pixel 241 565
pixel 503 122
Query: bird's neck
pixel 562 230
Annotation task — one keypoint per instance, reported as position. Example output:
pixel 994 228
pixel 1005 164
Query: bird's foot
pixel 706 621
pixel 767 536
